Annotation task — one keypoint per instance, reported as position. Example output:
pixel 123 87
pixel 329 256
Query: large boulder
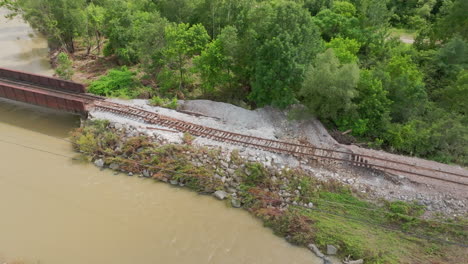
pixel 99 163
pixel 221 195
pixel 331 250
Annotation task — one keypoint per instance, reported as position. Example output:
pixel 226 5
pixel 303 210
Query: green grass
pixel 403 33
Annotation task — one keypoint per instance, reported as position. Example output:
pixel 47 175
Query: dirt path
pixel 406 39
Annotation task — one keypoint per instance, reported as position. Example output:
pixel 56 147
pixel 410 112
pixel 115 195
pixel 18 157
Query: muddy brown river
pixel 56 210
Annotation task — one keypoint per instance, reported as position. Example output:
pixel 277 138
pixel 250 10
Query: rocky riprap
pixel 373 184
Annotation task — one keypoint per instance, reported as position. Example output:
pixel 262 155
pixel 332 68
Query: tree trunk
pixel 70 46
pixel 98 42
pixel 181 73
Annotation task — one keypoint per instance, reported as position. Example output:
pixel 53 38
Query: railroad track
pixel 297 150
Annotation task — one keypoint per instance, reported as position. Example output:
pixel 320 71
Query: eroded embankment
pixel 271 124
pixel 294 203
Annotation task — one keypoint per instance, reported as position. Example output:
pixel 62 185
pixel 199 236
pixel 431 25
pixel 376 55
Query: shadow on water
pixel 37 119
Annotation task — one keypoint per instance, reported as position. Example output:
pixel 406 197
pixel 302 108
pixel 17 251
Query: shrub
pixel 108 50
pixel 164 102
pixel 117 83
pixel 157 101
pixel 64 66
pixel 188 139
pixel 255 174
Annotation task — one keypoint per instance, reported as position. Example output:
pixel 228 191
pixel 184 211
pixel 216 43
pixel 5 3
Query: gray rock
pixel 221 195
pixel 118 126
pixel 316 251
pixel 99 163
pixel 359 261
pixel 310 205
pixel 146 173
pixel 236 203
pixel 114 166
pixel 140 150
pixel 331 250
pixel 174 182
pixel 130 174
pixel 326 260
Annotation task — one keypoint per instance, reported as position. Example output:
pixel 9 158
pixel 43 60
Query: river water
pixel 55 210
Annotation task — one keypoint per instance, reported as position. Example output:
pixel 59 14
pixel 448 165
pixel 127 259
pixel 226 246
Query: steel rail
pixel 278 146
pixel 273 142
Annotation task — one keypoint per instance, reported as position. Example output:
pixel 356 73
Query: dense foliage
pixel 335 57
pixel 117 83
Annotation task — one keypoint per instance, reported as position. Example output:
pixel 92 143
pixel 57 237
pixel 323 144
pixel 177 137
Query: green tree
pixel 455 96
pixel 282 40
pixel 404 83
pixel 343 8
pixel 329 86
pixel 178 11
pixel 442 64
pixel 437 134
pixel 64 67
pixel 94 26
pixel 374 14
pixel 131 29
pixel 455 22
pixel 372 115
pixel 182 42
pixel 314 6
pixel 149 38
pixel 60 20
pixel 216 62
pixel 217 14
pixel 345 49
pixel 340 20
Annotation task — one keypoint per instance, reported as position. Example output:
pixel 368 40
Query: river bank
pixel 297 205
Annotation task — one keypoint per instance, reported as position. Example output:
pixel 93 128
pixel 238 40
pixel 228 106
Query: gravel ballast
pixel 274 124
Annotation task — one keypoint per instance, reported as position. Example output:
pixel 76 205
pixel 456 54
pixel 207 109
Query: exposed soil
pixel 87 68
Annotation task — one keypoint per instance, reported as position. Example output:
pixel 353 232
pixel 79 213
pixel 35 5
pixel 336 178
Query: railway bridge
pixel 72 97
pixel 44 91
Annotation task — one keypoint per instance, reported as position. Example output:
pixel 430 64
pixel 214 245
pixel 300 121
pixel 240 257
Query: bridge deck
pixel 44 91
